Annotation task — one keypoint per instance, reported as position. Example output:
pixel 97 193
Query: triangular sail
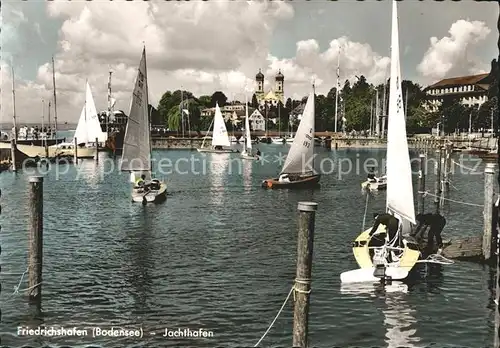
pixel 399 176
pixel 89 128
pixel 248 140
pixel 220 136
pixel 137 144
pixel 301 154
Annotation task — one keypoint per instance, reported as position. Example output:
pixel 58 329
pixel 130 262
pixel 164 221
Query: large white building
pixel 236 114
pixel 470 90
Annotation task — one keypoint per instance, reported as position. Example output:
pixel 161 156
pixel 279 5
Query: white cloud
pixel 199 46
pixel 451 55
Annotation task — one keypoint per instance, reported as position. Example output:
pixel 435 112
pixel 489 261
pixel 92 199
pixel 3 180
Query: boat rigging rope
pixel 366 210
pixel 451 200
pixel 465 167
pixel 436 258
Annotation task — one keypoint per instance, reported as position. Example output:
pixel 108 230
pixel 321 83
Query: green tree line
pixel 357 103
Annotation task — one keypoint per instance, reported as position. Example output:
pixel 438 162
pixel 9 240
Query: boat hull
pixel 37 142
pixel 249 157
pixel 153 196
pixel 303 182
pixel 208 150
pixel 278 140
pixel 397 270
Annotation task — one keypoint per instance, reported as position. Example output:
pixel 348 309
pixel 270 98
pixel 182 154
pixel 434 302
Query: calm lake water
pixel 220 255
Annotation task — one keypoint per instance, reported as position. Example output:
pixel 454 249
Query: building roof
pixel 260 75
pixel 279 76
pixel 271 96
pixel 459 81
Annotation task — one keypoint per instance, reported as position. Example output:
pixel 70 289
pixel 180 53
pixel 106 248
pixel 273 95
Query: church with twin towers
pixel 274 94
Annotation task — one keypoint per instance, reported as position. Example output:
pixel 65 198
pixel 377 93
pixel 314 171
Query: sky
pixel 221 45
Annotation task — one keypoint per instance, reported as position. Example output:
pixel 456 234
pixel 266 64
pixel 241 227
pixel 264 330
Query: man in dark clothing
pixel 258 152
pixel 389 221
pixel 371 174
pixel 436 222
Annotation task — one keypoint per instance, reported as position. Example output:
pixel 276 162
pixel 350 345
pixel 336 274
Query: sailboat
pixel 298 170
pixel 220 137
pixel 136 156
pixel 87 130
pixel 247 143
pixel 392 260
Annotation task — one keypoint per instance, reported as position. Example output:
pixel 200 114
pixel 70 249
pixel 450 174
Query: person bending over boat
pixel 389 221
pixel 436 222
pixel 258 152
pixel 371 175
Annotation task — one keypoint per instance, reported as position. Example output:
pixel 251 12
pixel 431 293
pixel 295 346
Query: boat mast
pixel 109 102
pixel 48 127
pixel 149 114
pixel 55 101
pixel 14 105
pixel 337 92
pixel 43 117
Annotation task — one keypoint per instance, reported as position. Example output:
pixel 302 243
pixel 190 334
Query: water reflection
pixel 90 172
pixel 218 170
pixel 399 317
pixel 247 175
pixel 139 258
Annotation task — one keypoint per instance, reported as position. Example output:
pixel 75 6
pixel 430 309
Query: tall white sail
pixel 136 155
pixel 301 154
pixel 219 137
pixel 89 128
pixel 248 140
pixel 399 176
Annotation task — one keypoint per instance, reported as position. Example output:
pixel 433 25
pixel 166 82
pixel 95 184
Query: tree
pixel 218 97
pixel 255 103
pixel 205 101
pixel 169 99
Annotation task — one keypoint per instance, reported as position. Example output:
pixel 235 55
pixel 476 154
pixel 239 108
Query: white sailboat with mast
pixel 136 156
pixel 298 170
pixel 220 137
pixel 247 143
pixel 396 258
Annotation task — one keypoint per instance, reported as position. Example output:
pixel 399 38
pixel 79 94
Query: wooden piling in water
pixel 96 156
pixel 302 286
pixel 35 252
pixel 437 183
pixel 13 149
pixel 421 183
pixel 75 152
pixel 489 172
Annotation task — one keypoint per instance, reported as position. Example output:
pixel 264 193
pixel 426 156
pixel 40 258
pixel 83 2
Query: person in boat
pixel 371 175
pixel 436 222
pixel 284 178
pixel 258 152
pixel 218 147
pixel 390 222
pixel 141 182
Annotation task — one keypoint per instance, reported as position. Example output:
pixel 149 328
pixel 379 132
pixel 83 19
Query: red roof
pixel 459 81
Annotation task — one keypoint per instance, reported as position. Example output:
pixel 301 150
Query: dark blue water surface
pixel 219 254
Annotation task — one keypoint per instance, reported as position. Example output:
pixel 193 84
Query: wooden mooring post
pixel 13 149
pixel 489 192
pixel 437 184
pixel 35 252
pixel 421 183
pixel 75 152
pixel 302 286
pixel 96 156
